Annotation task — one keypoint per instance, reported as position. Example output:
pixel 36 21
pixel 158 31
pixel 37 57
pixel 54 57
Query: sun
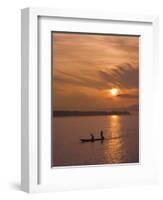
pixel 114 91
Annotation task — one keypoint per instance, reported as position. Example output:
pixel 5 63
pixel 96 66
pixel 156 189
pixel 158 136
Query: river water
pixel 121 144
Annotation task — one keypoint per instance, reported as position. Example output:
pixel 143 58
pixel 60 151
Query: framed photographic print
pixel 88 113
pixel 95 99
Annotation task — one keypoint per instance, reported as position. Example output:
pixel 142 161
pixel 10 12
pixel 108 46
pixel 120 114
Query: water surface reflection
pixel 121 146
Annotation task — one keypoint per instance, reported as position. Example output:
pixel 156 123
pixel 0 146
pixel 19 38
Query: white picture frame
pixel 36 171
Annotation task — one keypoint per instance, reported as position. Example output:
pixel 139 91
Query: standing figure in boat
pixel 102 136
pixel 92 137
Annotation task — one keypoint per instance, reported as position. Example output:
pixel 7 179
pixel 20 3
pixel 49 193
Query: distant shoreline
pixel 88 113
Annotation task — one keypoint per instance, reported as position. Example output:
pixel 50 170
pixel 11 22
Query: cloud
pixel 123 76
pixel 128 96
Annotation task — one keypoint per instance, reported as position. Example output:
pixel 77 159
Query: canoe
pixel 90 140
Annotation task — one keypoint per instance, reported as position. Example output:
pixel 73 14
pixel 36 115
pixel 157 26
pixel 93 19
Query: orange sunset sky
pixel 86 67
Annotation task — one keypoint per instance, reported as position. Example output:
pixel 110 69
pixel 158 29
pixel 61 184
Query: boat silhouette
pixel 90 140
pixel 93 139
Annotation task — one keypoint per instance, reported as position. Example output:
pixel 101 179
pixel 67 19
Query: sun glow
pixel 114 92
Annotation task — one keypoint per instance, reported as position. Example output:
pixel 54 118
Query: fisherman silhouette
pixel 92 137
pixel 102 136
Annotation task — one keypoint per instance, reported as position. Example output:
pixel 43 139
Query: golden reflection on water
pixel 115 125
pixel 114 153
